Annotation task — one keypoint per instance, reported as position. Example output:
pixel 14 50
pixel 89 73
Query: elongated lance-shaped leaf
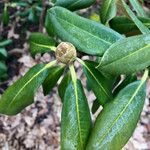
pixel 5 43
pixel 3 53
pixel 40 43
pixel 63 85
pixel 138 8
pixel 5 16
pixel 139 24
pixel 52 78
pixel 21 93
pixel 100 85
pixel 108 10
pixel 118 119
pixel 127 56
pixel 124 25
pixel 86 35
pixel 74 4
pixel 76 120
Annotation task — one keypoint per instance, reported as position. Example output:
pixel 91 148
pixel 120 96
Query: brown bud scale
pixel 65 53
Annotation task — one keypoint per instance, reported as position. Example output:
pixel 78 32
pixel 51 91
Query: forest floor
pixel 38 126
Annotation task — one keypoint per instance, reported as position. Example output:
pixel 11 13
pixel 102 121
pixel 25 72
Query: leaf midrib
pixel 138 23
pixel 109 43
pixel 74 3
pixel 46 67
pixel 45 46
pixel 121 113
pixel 137 51
pixel 74 81
pixel 77 110
pixel 53 74
pixel 107 8
pixel 96 80
pixel 139 10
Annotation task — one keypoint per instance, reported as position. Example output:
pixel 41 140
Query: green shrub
pixel 122 99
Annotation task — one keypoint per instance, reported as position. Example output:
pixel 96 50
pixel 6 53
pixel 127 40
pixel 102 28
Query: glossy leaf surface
pixel 108 10
pixel 86 35
pixel 74 4
pixel 21 93
pixel 76 120
pixel 101 86
pixel 52 78
pixel 124 25
pixel 5 42
pixel 63 85
pixel 5 16
pixel 138 8
pixel 127 56
pixel 118 119
pixel 40 43
pixel 3 53
pixel 138 23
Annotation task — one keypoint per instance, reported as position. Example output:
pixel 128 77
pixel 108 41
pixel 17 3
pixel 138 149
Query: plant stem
pixel 50 64
pixel 145 75
pixel 80 61
pixel 73 73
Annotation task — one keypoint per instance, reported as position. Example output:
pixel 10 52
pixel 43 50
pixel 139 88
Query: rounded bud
pixel 65 52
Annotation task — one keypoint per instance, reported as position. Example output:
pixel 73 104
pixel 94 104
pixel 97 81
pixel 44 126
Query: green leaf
pixel 32 15
pixel 5 16
pixel 49 26
pixel 5 43
pixel 124 25
pixel 3 68
pixel 95 106
pixel 21 93
pixel 86 35
pixel 23 14
pixel 127 56
pixel 74 4
pixel 138 23
pixel 40 43
pixel 124 83
pixel 3 53
pixel 51 80
pixel 117 121
pixel 53 1
pixel 22 4
pixel 138 8
pixel 76 120
pixel 108 10
pixel 63 85
pixel 101 86
pixel 117 81
pixel 88 87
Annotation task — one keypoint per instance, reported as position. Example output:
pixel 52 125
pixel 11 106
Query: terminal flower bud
pixel 65 53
